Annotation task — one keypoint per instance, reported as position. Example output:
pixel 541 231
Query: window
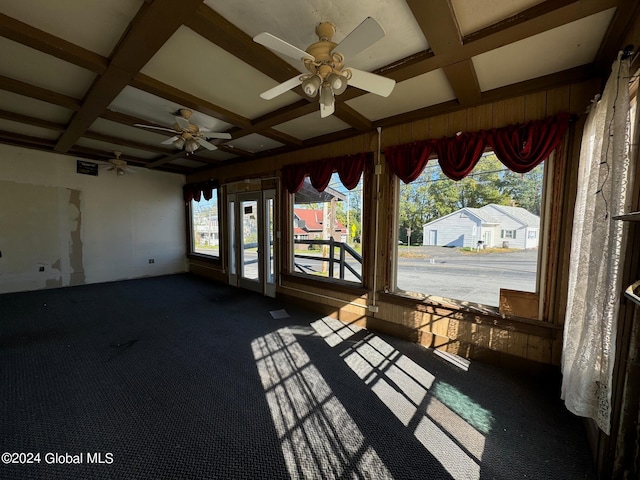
pixel 205 228
pixel 327 231
pixel 459 240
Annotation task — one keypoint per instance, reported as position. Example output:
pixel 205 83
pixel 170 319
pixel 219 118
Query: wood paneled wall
pixel 488 335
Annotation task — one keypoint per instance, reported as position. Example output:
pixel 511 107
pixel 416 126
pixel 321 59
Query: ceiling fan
pixel 118 165
pixel 325 61
pixel 188 135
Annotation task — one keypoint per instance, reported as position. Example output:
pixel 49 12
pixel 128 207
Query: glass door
pixel 269 229
pixel 252 241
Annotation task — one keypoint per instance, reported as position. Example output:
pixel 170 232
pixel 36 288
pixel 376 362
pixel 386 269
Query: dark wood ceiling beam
pixel 626 12
pixel 127 143
pixel 519 27
pixel 282 115
pixel 566 77
pixel 105 154
pixel 32 37
pixel 540 12
pixel 27 120
pixel 34 143
pixel 351 117
pixel 49 96
pixel 438 24
pixel 440 27
pixel 130 159
pixel 11 137
pixel 145 37
pixel 215 28
pixel 281 137
pixel 160 89
pixel 464 81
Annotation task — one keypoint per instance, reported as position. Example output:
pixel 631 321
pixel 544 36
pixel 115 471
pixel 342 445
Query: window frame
pixel 191 240
pixel 327 281
pixel 542 262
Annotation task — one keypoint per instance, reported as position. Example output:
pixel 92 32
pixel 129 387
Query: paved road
pixel 447 272
pixel 470 277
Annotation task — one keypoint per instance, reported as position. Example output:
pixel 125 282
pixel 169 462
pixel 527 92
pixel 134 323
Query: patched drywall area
pixel 33 227
pixel 59 228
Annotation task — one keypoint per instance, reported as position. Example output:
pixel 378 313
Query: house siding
pixel 454 231
pixel 508 223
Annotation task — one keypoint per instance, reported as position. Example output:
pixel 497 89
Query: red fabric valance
pixel 408 161
pixel 458 155
pixel 195 191
pixel 349 168
pixel 519 147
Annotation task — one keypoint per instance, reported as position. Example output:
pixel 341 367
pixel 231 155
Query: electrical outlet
pixel 151 260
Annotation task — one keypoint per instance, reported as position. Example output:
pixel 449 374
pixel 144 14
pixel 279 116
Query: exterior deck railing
pixel 343 250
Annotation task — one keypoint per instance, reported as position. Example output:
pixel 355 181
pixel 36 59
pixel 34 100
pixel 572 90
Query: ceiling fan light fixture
pixel 311 85
pixel 179 143
pixel 191 145
pixel 338 83
pixel 326 95
pixel 119 171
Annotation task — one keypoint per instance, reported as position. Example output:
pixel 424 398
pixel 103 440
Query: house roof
pixel 484 218
pixel 78 76
pixel 519 214
pixel 313 219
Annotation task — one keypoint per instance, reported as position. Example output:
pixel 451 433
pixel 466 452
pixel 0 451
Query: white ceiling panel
pixel 42 70
pixel 111 147
pixel 191 63
pixel 295 23
pixel 312 125
pixel 23 129
pixel 126 132
pixel 92 24
pixel 31 107
pixel 418 92
pixel 561 48
pixel 138 103
pixel 474 15
pixel 254 143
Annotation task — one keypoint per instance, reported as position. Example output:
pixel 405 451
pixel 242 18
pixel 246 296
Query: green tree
pixel 525 190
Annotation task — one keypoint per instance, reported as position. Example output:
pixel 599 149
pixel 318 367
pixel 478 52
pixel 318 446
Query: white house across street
pixel 489 226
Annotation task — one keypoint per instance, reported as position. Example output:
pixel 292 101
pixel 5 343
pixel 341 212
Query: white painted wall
pixel 85 229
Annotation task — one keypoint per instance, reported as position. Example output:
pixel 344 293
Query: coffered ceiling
pixel 78 75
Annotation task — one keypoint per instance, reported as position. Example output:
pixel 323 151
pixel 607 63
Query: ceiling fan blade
pixel 164 129
pixel 225 136
pixel 371 82
pixel 205 144
pixel 182 122
pixel 169 141
pixel 280 46
pixel 282 88
pixel 360 38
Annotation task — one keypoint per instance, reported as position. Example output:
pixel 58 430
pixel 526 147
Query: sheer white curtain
pixel 594 277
